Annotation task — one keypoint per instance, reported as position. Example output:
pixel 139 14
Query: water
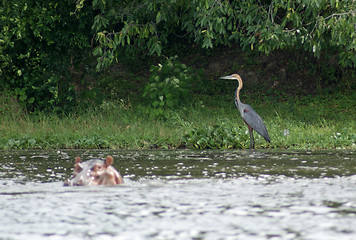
pixel 182 195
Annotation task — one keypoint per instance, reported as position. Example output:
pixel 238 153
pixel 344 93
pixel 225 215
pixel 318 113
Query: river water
pixel 234 194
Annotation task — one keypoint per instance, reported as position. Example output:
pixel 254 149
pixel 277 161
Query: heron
pixel 250 116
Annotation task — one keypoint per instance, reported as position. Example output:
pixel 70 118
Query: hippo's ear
pixel 109 160
pixel 118 179
pixel 78 160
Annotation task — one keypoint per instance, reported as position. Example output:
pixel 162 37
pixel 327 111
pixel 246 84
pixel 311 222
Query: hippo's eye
pixel 78 169
pixel 96 168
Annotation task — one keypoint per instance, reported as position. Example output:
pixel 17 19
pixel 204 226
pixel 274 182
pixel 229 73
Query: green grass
pixel 208 122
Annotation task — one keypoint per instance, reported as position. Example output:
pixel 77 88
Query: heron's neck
pixel 237 93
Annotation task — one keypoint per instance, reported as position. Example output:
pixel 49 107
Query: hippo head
pixel 94 172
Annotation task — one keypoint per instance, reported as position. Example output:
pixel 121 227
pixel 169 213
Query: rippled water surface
pixel 182 195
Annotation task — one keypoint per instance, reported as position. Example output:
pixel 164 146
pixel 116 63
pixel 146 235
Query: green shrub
pixel 215 137
pixel 168 88
pixel 24 142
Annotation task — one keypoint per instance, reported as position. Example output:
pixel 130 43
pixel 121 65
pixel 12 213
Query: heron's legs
pixel 252 140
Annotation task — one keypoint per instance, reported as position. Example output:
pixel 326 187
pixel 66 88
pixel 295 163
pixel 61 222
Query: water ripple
pixel 182 195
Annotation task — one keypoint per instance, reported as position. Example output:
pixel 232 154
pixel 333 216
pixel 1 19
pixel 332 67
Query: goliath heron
pixel 250 117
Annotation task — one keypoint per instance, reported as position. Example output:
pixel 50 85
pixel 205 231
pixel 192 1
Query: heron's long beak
pixel 230 77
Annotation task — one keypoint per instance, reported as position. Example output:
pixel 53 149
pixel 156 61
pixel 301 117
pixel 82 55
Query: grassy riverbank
pixel 322 122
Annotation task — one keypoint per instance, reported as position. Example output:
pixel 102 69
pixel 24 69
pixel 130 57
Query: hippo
pixel 94 172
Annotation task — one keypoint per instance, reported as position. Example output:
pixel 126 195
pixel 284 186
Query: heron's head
pixel 231 77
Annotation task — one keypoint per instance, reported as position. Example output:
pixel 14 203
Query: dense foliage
pixel 152 27
pixel 42 43
pixel 39 41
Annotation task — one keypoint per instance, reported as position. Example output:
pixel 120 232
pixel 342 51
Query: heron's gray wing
pixel 254 120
